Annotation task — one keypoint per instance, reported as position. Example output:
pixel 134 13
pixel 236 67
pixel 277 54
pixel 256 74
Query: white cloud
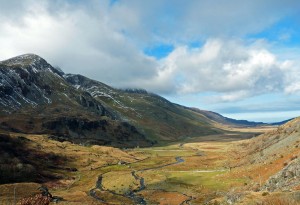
pixel 79 41
pixel 294 87
pixel 181 21
pixel 230 68
pixel 105 42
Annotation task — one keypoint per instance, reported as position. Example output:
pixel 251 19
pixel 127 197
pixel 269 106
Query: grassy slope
pixel 158 118
pixel 169 121
pixel 271 150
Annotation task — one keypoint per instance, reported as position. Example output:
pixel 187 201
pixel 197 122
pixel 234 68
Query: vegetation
pixel 20 162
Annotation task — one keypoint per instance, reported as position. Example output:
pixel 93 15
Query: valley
pixel 68 139
pixel 196 171
pixel 118 102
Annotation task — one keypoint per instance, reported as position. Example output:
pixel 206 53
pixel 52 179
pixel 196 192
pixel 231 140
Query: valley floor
pixel 196 171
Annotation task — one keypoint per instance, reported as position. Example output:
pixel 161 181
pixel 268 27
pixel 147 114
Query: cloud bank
pixel 104 40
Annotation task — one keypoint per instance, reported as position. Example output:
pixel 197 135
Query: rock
pixel 286 179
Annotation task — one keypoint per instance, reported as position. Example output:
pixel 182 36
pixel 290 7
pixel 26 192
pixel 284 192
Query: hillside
pixel 155 116
pixel 279 148
pixel 270 164
pixel 277 144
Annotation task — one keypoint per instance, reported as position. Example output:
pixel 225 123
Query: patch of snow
pixel 34 69
pixel 3 103
pixel 15 100
pixel 66 95
pixel 49 100
pixel 49 69
pixel 77 86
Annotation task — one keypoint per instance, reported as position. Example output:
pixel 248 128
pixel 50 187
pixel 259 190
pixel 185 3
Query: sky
pixel 237 58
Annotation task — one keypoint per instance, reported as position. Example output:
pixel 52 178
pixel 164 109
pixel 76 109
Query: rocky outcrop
pixel 101 132
pixel 285 180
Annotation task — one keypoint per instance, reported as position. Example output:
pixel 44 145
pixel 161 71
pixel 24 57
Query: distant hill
pixel 232 122
pixel 225 120
pixel 282 122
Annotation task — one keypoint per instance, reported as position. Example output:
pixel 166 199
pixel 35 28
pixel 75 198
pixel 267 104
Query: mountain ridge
pixel 38 98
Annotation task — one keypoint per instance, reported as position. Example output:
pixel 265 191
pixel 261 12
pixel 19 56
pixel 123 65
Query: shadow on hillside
pixel 20 162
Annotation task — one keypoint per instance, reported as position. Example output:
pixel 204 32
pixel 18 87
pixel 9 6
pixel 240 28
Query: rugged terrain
pixel 270 162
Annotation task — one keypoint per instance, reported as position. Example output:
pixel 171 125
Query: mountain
pixel 36 98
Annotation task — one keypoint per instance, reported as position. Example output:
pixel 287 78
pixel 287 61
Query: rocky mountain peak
pixel 26 80
pixel 26 59
pixel 31 63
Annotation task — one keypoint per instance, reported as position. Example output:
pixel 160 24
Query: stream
pixel 133 194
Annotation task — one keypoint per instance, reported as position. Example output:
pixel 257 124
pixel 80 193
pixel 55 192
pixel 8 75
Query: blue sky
pixel 238 58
